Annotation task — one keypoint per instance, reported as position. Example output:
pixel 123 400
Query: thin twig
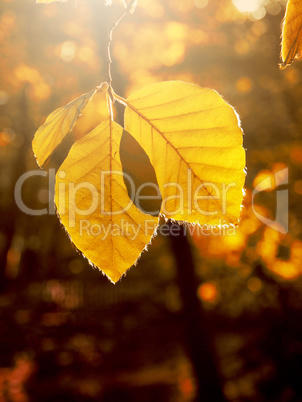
pixel 125 12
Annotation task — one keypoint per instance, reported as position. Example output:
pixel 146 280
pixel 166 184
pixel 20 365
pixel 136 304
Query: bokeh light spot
pixel 273 8
pixel 296 154
pixel 3 98
pixel 68 51
pixel 259 13
pixel 264 181
pixel 207 292
pixel 254 285
pixel 298 187
pixel 201 3
pixel 244 84
pixel 247 6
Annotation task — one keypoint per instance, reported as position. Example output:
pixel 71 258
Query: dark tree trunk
pixel 11 219
pixel 200 346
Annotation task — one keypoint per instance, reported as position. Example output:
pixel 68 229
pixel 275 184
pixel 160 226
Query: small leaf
pixel 193 139
pixel 57 125
pixel 94 206
pixel 291 47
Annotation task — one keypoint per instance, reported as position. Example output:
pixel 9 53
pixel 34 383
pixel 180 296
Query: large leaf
pixel 193 139
pixel 94 206
pixel 292 33
pixel 57 125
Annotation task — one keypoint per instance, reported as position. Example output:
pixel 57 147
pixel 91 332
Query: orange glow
pixel 286 269
pixel 268 249
pixel 53 319
pixel 176 31
pixel 250 225
pixel 208 292
pixel 296 154
pixel 3 97
pixel 13 380
pixel 261 180
pixel 68 333
pixel 296 252
pixel 187 388
pixel 244 84
pixel 293 76
pixel 175 54
pixel 12 263
pixel 8 23
pixel 235 242
pixel 242 46
pixel 87 55
pixel 4 139
pixel 298 187
pixel 254 285
pixel 26 73
pixel 41 91
pixel 279 166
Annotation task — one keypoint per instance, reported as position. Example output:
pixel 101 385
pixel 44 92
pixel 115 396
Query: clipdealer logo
pixel 280 223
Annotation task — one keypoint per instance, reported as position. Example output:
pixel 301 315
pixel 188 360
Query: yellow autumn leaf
pixel 57 125
pixel 291 47
pixel 94 205
pixel 193 139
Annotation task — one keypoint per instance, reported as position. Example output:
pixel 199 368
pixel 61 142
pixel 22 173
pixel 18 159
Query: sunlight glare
pixel 247 6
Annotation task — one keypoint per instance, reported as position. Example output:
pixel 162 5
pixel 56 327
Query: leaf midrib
pixel 169 143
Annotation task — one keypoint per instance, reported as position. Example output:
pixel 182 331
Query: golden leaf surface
pixel 291 46
pixel 57 125
pixel 94 205
pixel 194 141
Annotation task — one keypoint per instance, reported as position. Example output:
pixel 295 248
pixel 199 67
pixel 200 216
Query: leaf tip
pixel 282 65
pixel 40 161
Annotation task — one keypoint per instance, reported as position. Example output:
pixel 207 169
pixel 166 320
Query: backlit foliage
pixel 196 132
pixel 82 336
pixel 292 33
pixel 175 42
pixel 58 124
pixel 96 152
pixel 80 51
pixel 193 140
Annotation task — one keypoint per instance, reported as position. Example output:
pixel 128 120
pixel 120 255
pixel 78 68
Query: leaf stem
pixel 109 102
pixel 125 12
pixel 119 98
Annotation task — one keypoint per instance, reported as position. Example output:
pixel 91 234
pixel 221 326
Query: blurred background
pixel 212 318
